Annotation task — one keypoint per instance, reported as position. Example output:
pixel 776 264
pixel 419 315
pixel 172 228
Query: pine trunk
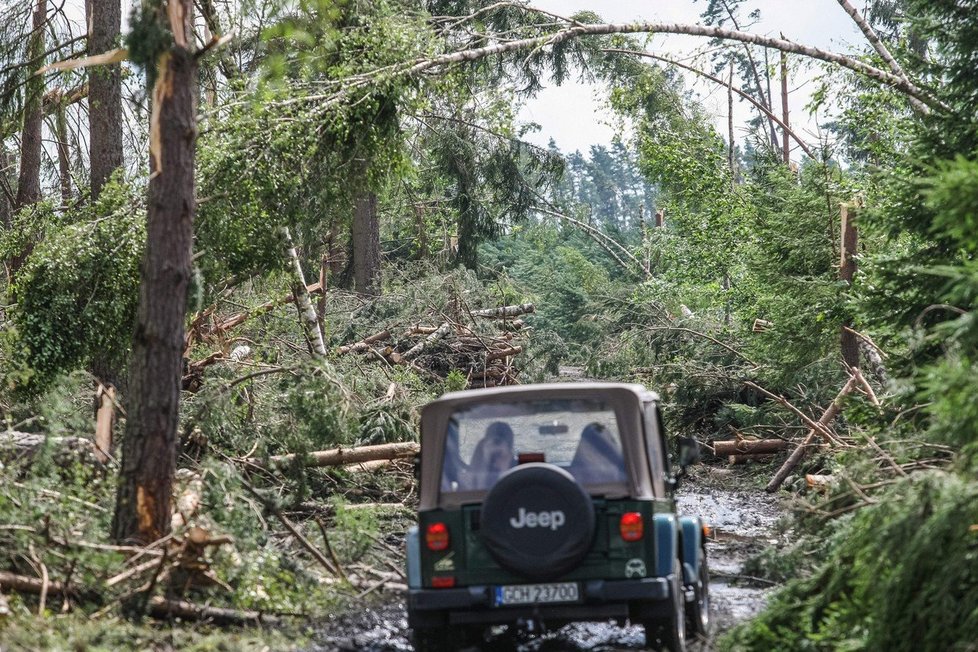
pixel 149 451
pixel 104 95
pixel 64 155
pixel 366 244
pixel 29 182
pixel 7 162
pixel 29 179
pixel 849 343
pixel 785 145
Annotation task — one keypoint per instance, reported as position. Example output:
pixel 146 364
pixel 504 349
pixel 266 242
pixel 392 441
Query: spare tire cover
pixel 537 521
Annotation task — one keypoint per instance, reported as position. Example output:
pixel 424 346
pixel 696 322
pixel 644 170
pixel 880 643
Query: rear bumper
pixel 601 600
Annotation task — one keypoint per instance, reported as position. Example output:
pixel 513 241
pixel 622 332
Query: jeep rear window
pixel 484 441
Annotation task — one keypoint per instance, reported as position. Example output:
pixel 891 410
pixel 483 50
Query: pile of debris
pixel 436 351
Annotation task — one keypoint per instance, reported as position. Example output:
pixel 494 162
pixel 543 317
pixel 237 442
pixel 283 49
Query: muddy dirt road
pixel 743 520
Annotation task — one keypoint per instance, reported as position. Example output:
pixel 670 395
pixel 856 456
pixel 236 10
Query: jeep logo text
pixel 552 520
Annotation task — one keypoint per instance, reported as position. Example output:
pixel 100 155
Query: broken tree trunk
pixel 796 456
pixel 364 345
pixel 416 350
pixel 822 429
pixel 25 445
pixel 307 313
pixel 149 450
pixel 160 607
pixel 505 311
pixel 507 352
pixel 104 420
pixel 745 458
pixel 241 317
pixel 749 446
pixel 26 584
pixel 343 456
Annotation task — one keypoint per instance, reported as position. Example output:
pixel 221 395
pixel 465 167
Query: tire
pixel 448 639
pixel 537 549
pixel 698 611
pixel 670 632
pixel 432 639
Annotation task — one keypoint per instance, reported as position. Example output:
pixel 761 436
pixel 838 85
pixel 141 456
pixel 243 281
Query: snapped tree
pixel 142 512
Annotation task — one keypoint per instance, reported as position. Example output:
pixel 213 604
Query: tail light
pixel 436 537
pixel 631 526
pixel 443 582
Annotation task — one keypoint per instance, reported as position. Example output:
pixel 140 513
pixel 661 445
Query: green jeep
pixel 542 505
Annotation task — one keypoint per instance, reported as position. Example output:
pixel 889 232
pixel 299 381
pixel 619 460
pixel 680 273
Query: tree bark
pixel 105 94
pixel 366 244
pixel 149 451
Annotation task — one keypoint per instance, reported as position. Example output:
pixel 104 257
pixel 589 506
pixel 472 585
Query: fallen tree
pixel 437 351
pixel 829 415
pixel 342 456
pixel 16 445
pixel 749 446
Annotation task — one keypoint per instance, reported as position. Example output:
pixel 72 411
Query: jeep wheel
pixel 698 611
pixel 433 639
pixel 537 521
pixel 670 632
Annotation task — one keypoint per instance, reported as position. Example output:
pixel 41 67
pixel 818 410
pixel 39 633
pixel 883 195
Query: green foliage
pixel 293 155
pixel 355 529
pixel 879 583
pixel 148 36
pixel 77 293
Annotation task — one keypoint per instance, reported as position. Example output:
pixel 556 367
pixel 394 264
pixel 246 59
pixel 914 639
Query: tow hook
pixel 531 625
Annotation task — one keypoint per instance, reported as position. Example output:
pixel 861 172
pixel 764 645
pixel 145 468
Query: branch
pixel 817 426
pixel 760 107
pixel 757 77
pixel 603 240
pixel 705 336
pixel 895 81
pixel 881 50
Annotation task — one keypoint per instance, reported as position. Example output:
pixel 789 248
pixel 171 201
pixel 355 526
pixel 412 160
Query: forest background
pixel 171 196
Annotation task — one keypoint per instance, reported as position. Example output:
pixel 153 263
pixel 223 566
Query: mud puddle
pixel 743 521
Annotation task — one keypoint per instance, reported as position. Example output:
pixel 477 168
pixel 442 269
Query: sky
pixel 820 23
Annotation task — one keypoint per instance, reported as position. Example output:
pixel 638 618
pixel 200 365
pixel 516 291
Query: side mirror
pixel 689 452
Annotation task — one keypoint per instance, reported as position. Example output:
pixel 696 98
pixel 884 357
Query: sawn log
pixel 342 456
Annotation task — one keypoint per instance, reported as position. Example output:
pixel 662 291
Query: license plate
pixel 537 593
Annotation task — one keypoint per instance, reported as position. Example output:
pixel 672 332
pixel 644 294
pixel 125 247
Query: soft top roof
pixel 626 398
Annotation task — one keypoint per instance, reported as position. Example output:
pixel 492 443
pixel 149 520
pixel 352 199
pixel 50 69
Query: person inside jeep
pixel 598 458
pixel 492 457
pixel 453 468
